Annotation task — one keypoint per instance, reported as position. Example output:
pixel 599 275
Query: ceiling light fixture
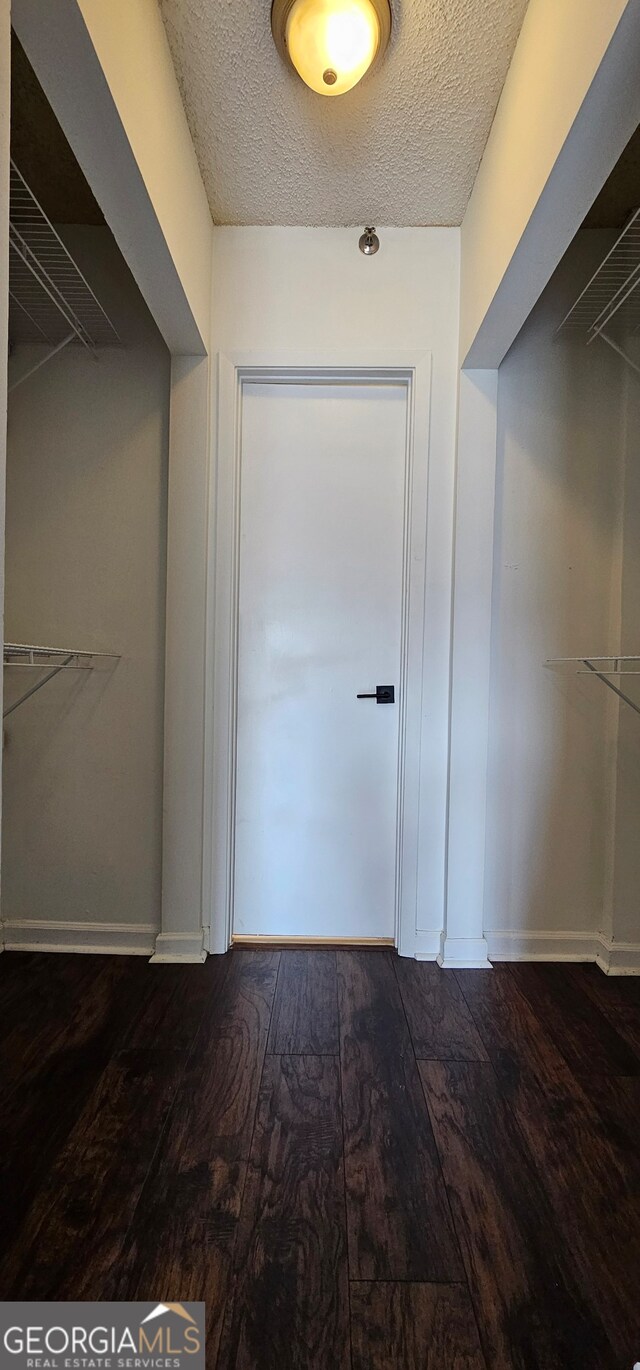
pixel 331 43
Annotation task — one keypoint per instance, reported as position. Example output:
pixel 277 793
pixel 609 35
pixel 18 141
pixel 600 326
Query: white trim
pixel 414 371
pixel 173 947
pixel 470 684
pixel 260 939
pixel 618 958
pixel 463 953
pixel 114 939
pixel 183 757
pixel 614 958
pixel 427 945
pixel 541 946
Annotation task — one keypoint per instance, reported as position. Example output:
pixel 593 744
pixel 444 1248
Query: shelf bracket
pixel 621 352
pixel 42 362
pixel 50 659
pixel 605 679
pixel 38 685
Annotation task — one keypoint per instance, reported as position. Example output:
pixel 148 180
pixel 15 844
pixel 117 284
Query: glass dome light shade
pixel 332 43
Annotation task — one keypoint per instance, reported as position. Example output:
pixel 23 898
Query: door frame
pixel 234 371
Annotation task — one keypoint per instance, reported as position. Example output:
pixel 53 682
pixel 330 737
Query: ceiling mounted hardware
pixel 331 43
pixel 369 242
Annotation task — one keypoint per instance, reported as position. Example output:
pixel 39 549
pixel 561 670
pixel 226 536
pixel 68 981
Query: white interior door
pixel 320 609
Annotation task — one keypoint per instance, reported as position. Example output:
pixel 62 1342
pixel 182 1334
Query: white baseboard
pixel 614 958
pixel 143 939
pixel 618 958
pixel 39 934
pixel 172 947
pixel 463 953
pixel 427 946
pixel 541 946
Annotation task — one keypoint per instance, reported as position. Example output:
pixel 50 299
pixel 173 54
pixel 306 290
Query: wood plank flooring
pixel 357 1162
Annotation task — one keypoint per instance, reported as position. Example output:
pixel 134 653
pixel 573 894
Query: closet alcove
pixel 88 417
pixel 564 781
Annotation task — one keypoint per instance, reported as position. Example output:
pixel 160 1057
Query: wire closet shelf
pixel 51 660
pixel 51 302
pixel 604 668
pixel 610 299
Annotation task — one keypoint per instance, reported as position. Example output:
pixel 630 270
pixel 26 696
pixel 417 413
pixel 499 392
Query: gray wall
pixel 556 593
pixel 85 567
pixel 5 121
pixel 625 916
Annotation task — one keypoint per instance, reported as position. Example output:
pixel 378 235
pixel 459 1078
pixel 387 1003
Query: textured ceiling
pixel 401 149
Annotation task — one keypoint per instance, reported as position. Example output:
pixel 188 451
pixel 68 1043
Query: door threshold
pixel 258 940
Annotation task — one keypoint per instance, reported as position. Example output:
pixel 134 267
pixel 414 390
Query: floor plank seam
pixel 344 1171
pixel 452 1060
pixel 317 1055
pixel 221 991
pixel 228 1306
pixel 274 1003
pixel 429 1121
pixel 421 1284
pixel 161 1137
pixel 436 1148
pixel 170 1110
pixel 489 1060
pixel 466 1283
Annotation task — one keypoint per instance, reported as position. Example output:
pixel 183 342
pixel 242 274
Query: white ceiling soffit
pixel 403 148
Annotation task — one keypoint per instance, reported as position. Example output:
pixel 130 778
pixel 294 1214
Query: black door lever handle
pixel 383 694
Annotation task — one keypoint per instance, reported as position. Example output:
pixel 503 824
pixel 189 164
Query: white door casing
pixel 235 373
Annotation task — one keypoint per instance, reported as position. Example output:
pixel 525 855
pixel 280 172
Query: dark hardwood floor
pixel 356 1161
